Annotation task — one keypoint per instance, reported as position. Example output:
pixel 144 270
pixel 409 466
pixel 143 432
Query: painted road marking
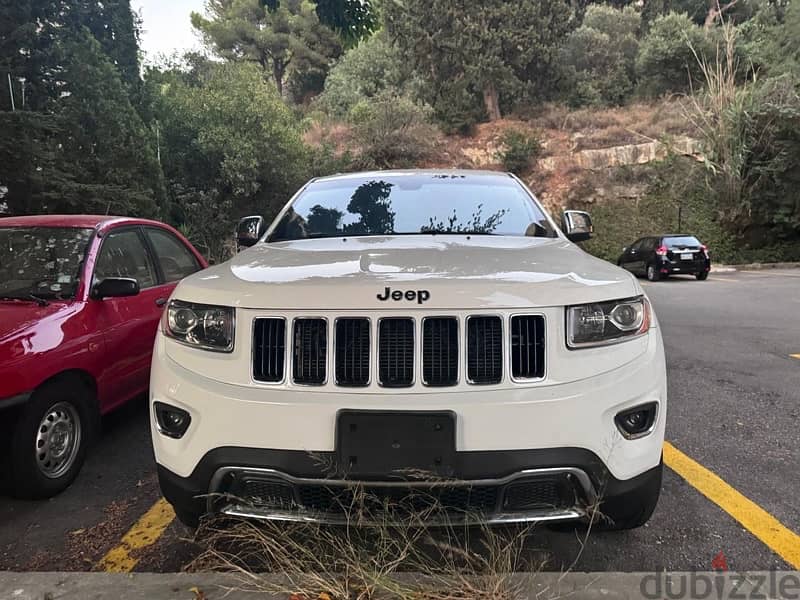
pixel 145 532
pixel 797 356
pixel 755 519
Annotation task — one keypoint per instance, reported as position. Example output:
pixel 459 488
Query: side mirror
pixel 249 230
pixel 577 225
pixel 115 287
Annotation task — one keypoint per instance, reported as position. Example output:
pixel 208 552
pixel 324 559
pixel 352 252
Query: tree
pixel 599 57
pixel 354 20
pixel 230 147
pixel 668 55
pixel 488 49
pixel 275 35
pixel 364 72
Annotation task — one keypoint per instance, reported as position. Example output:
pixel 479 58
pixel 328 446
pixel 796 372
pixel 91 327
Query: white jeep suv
pixel 426 336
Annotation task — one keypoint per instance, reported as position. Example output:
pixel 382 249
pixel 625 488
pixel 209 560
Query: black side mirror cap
pixel 577 225
pixel 115 287
pixel 249 230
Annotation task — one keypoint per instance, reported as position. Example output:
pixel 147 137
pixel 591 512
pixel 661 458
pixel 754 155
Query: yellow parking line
pixel 752 517
pixel 144 533
pixel 797 356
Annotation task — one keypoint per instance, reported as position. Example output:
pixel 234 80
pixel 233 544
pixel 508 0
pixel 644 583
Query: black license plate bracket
pixel 396 444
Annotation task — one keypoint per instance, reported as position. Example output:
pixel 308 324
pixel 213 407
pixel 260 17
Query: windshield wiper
pixel 28 297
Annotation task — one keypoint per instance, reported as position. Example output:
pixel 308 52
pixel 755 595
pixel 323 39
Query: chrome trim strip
pixel 579 474
pixel 450 519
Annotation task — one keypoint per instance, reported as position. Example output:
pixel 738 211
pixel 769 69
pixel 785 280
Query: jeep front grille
pixel 310 351
pixel 396 352
pixel 484 350
pixel 474 350
pixel 352 352
pixel 440 351
pixel 269 349
pixel 527 347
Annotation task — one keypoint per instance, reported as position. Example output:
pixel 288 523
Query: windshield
pixel 682 241
pixel 41 261
pixel 404 204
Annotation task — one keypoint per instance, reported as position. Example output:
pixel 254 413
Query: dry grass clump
pixel 398 556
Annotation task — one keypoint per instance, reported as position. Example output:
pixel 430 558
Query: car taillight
pixel 661 250
pixel 704 248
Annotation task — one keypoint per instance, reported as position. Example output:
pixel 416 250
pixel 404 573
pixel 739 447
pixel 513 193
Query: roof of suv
pixel 401 172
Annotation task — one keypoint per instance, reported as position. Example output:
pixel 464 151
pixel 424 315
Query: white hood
pixel 458 272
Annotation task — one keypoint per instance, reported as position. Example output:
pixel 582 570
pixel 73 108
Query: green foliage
pixel 496 51
pixel 364 72
pixel 598 58
pixel 275 35
pixel 676 187
pixel 230 147
pixel 519 149
pixel 390 132
pixel 354 20
pixel 667 60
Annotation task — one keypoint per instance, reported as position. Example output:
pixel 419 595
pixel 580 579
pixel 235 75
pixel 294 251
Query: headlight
pixel 200 325
pixel 603 323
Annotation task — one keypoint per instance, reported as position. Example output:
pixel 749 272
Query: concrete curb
pixel 754 267
pixel 540 586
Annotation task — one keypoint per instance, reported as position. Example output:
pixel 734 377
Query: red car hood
pixel 19 317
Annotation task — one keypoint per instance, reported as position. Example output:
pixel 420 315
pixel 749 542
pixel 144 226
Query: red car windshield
pixel 41 262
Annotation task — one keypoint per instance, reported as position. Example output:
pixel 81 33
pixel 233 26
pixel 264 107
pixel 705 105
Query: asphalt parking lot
pixel 734 411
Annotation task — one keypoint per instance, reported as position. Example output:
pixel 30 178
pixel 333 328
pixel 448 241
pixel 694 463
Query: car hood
pixel 21 319
pixel 456 272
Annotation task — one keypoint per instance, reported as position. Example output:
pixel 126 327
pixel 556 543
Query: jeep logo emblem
pixel 419 295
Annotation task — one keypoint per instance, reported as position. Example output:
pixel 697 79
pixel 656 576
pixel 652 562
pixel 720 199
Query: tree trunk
pixel 492 101
pixel 277 74
pixel 715 10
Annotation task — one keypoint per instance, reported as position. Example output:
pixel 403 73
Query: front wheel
pixel 49 440
pixel 653 274
pixel 702 276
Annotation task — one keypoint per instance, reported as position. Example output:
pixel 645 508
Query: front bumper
pixel 499 432
pixel 496 473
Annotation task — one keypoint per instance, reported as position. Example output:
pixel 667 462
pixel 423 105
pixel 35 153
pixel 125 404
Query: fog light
pixel 638 421
pixel 172 422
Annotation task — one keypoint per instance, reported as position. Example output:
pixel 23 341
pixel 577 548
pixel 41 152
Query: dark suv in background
pixel 664 255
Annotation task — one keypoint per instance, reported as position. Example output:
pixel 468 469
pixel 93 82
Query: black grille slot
pixel 310 351
pixel 352 352
pixel 396 352
pixel 527 347
pixel 265 492
pixel 269 349
pixel 440 351
pixel 484 350
pixel 397 500
pixel 539 494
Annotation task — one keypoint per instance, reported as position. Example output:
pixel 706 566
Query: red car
pixel 80 301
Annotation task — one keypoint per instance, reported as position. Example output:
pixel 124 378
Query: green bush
pixel 519 149
pixel 391 132
pixel 599 57
pixel 666 62
pixel 364 72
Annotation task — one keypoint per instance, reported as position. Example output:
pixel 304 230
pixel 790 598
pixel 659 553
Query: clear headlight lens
pixel 604 323
pixel 200 325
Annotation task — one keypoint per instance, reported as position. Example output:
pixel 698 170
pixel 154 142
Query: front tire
pixel 653 274
pixel 50 438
